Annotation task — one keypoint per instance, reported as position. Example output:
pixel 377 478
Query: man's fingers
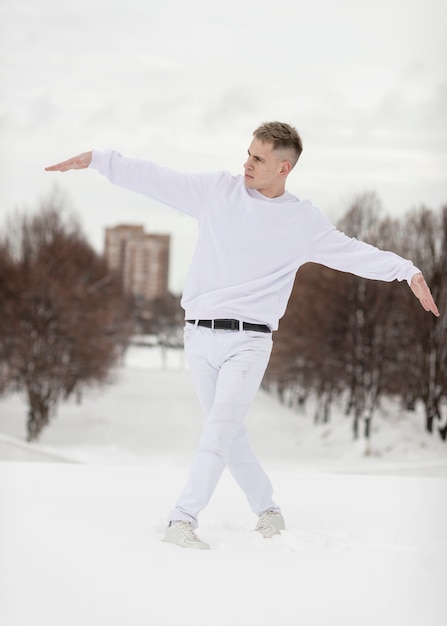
pixel 58 167
pixel 423 293
pixel 81 161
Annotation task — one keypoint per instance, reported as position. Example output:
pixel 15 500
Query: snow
pixel 80 542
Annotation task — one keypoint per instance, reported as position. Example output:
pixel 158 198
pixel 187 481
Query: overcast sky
pixel 185 83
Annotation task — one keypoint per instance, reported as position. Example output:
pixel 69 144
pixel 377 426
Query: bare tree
pixel 426 360
pixel 369 338
pixel 308 347
pixel 340 331
pixel 65 320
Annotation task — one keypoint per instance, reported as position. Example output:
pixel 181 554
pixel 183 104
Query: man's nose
pixel 248 164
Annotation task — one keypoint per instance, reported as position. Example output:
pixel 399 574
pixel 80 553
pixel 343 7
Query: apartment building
pixel 141 258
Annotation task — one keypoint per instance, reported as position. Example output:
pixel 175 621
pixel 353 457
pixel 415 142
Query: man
pixel 253 237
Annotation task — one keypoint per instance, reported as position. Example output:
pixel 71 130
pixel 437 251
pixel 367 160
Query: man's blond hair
pixel 282 137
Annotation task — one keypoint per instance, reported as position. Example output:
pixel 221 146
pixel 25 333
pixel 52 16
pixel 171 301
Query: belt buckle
pixel 236 325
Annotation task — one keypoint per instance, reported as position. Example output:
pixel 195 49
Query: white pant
pixel 227 369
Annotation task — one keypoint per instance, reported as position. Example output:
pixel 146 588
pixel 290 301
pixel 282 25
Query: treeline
pixel 359 340
pixel 65 320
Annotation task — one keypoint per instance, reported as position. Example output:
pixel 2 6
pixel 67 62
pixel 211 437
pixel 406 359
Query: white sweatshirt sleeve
pixel 186 192
pixel 334 249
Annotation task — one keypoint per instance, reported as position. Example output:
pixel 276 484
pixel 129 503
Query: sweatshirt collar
pixel 254 193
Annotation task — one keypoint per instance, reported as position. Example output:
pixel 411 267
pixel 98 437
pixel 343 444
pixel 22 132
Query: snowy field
pixel 80 543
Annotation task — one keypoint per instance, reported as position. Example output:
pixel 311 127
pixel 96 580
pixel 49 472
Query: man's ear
pixel 286 167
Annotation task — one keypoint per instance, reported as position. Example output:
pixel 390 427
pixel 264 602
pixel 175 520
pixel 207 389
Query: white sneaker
pixel 182 534
pixel 270 523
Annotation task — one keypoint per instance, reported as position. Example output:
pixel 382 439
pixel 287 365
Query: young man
pixel 253 237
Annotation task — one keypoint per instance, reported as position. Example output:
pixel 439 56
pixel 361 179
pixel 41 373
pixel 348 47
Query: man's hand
pixel 422 292
pixel 79 162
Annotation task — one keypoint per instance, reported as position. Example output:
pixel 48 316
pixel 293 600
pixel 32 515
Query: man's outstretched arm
pixel 79 162
pixel 422 292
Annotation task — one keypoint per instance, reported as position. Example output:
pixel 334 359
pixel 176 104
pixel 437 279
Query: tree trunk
pixel 38 418
pixel 429 419
pixel 443 432
pixel 355 425
pixel 367 429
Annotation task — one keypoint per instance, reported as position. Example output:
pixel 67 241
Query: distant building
pixel 142 259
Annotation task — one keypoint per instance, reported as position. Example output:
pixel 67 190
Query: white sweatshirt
pixel 249 246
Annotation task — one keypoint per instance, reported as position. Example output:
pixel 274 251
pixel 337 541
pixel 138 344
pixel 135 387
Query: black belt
pixel 231 325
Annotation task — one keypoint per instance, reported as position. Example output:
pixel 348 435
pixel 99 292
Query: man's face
pixel 265 171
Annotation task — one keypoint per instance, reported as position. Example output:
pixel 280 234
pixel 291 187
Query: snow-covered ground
pixel 80 543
